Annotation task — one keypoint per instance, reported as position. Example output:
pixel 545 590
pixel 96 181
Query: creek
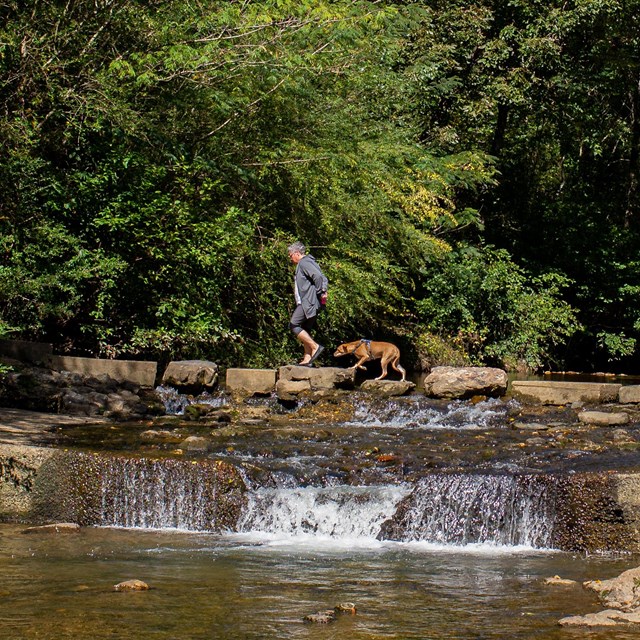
pixel 436 519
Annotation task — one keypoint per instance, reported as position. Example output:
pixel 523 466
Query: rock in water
pixel 131 585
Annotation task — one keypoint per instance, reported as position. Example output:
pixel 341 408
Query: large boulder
pixel 621 592
pixel 621 596
pixel 192 376
pixel 465 382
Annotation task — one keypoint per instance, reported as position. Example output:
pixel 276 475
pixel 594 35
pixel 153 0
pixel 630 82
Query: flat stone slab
pixel 559 393
pixel 387 387
pixel 320 377
pixel 251 382
pixel 138 372
pixel 603 418
pixel 629 394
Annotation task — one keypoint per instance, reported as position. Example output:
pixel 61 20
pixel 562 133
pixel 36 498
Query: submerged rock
pixel 321 617
pixel 346 607
pixel 557 580
pixel 131 585
pixel 604 418
pixel 195 443
pixel 204 410
pixel 58 527
pixel 607 618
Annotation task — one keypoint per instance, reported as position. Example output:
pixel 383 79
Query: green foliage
pixel 158 169
pixel 159 157
pixel 495 310
pixel 434 350
pixel 616 345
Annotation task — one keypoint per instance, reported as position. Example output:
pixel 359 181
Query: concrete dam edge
pixel 594 512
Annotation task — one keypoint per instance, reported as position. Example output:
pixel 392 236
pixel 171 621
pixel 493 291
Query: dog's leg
pixel 358 365
pixel 399 368
pixel 383 363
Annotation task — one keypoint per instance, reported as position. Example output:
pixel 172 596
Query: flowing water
pixel 400 510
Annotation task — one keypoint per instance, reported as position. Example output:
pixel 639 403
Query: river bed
pixel 467 558
pixel 234 586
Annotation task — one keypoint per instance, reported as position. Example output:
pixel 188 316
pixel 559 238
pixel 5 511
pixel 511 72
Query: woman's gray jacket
pixel 310 282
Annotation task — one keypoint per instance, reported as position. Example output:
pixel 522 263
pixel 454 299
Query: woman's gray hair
pixel 297 247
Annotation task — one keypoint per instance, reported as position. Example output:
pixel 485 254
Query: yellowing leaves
pixel 423 197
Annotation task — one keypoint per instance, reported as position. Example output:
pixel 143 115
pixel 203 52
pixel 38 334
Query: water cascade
pixel 336 512
pixel 166 494
pixel 468 509
pixel 454 509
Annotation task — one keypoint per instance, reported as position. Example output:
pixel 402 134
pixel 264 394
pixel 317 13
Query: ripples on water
pixel 450 555
pixel 243 586
pixel 418 411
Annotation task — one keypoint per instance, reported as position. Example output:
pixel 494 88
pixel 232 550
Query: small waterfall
pixel 465 509
pixel 176 402
pixel 451 509
pixel 162 494
pixel 340 512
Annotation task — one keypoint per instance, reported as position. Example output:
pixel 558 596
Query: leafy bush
pixel 502 315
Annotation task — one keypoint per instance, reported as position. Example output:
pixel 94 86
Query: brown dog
pixel 366 350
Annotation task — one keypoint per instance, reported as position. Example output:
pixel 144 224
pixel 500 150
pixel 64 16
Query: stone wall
pixel 135 371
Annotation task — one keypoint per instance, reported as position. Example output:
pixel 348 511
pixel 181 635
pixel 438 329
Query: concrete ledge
pixel 558 393
pixel 249 382
pixel 138 372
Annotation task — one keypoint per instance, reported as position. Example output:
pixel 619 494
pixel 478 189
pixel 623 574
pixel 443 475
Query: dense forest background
pixel 466 173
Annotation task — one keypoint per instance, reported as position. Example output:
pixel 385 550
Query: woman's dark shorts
pixel 299 322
